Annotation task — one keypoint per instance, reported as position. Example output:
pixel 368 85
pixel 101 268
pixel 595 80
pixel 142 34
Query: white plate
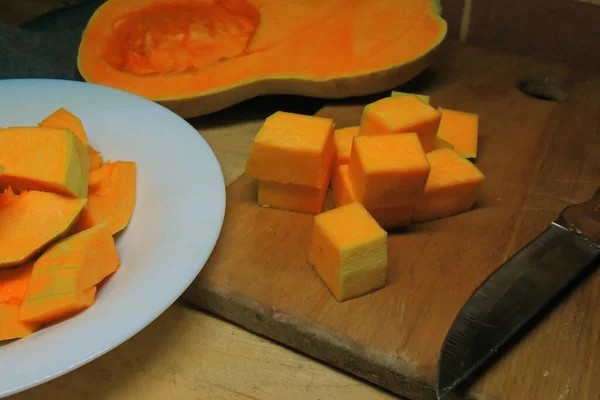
pixel 174 227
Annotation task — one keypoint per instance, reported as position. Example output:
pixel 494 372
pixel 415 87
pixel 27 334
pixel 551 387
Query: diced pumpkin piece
pixel 95 158
pixel 63 118
pixel 388 170
pixel 348 251
pixel 293 148
pixel 11 327
pixel 387 217
pixel 45 159
pixel 393 217
pixel 401 114
pixel 342 139
pixel 461 129
pixel 287 196
pixel 31 220
pixel 111 198
pixel 343 192
pixel 14 282
pixel 452 187
pixel 63 276
pixel 442 144
pixel 421 97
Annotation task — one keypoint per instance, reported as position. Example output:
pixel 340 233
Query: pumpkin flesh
pixel 28 226
pixel 111 197
pixel 186 49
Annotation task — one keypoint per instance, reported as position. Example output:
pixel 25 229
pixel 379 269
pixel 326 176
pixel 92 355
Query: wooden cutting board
pixel 538 156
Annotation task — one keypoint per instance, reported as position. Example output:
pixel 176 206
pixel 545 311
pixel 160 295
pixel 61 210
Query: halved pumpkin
pixel 200 56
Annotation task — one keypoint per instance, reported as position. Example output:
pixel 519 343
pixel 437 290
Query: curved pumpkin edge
pixel 216 99
pixel 336 88
pixel 82 41
pixel 437 7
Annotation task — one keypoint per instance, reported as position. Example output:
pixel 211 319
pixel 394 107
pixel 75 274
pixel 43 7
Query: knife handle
pixel 585 217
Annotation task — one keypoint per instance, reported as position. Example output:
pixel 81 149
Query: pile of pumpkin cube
pixel 407 162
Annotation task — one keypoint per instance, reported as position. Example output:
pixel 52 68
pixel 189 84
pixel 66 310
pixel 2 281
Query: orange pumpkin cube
pixel 287 196
pixel 387 217
pixel 293 148
pixel 343 192
pixel 348 251
pixel 461 130
pixel 343 143
pixel 388 170
pixel 401 114
pixel 421 97
pixel 442 144
pixel 452 186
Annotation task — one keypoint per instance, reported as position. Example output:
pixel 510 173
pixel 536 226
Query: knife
pixel 517 290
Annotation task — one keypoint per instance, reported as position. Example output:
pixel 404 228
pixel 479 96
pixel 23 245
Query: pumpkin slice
pixel 452 187
pixel 63 118
pixel 461 130
pixel 111 198
pixel 11 327
pixel 13 285
pixel 351 262
pixel 64 278
pixel 45 159
pixel 1 169
pixel 401 114
pixel 14 282
pixel 202 56
pixel 31 220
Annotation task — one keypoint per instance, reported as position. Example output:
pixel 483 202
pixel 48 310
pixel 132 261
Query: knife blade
pixel 518 290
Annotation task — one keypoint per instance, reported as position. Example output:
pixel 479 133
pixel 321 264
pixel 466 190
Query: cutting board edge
pixel 318 343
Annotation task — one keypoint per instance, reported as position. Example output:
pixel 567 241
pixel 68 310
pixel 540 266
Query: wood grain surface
pixel 185 354
pixel 538 157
